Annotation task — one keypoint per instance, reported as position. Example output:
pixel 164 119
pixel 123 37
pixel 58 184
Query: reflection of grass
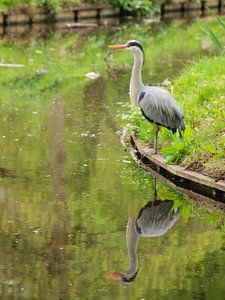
pixel 60 60
pixel 140 181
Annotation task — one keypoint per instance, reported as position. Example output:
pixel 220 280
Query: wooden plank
pixel 202 201
pixel 178 170
pixel 109 12
pixel 90 7
pixel 86 14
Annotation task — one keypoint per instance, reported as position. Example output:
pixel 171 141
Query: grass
pixel 201 92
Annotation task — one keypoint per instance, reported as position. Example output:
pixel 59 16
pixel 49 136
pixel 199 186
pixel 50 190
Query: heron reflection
pixel 154 219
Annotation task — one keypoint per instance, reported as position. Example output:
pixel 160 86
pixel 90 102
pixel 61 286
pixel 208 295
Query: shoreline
pixel 189 182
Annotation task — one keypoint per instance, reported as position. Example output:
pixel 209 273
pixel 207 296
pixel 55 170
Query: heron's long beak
pixel 117 46
pixel 115 275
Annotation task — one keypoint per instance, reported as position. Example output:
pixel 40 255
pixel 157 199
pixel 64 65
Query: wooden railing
pixel 76 13
pixel 183 7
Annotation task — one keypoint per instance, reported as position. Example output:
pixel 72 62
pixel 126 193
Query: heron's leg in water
pixel 154 191
pixel 156 138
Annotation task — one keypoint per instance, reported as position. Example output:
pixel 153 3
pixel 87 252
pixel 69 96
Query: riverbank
pixel 201 93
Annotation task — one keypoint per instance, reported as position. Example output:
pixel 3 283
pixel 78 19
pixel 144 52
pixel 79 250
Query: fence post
pixel 220 6
pixel 162 10
pixel 75 17
pixel 182 8
pixel 203 2
pixel 98 14
pixel 5 20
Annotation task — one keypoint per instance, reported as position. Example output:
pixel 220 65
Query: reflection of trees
pixel 25 34
pixel 92 114
pixel 57 151
pixel 57 266
pixel 92 111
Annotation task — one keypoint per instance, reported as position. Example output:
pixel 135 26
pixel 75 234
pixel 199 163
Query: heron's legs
pixel 154 191
pixel 156 138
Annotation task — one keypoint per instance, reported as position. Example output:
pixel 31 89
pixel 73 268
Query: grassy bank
pixel 201 92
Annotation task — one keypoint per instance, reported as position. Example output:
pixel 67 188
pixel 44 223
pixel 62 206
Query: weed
pixel 213 36
pixel 179 147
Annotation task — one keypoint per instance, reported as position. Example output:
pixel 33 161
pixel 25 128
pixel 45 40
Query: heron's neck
pixel 132 241
pixel 136 80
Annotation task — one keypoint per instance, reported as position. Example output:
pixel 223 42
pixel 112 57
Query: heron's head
pixel 125 279
pixel 133 46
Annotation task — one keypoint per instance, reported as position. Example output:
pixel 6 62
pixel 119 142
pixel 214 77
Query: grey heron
pixel 157 105
pixel 154 219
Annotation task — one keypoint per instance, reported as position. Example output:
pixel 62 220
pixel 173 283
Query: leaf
pixel 221 22
pixel 213 37
pixel 188 133
pixel 210 148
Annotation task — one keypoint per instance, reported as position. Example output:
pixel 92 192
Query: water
pixel 68 189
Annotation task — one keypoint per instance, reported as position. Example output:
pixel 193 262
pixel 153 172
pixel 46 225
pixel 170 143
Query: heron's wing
pixel 158 106
pixel 157 220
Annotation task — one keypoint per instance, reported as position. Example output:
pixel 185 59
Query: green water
pixel 67 187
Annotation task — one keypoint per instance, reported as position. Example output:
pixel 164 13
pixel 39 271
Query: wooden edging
pixel 189 182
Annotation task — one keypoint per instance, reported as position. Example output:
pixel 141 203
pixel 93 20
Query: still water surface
pixel 66 204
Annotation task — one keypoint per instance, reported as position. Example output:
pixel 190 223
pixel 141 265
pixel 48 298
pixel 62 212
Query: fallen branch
pixel 11 65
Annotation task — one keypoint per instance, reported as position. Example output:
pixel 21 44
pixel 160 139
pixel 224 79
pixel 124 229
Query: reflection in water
pixel 57 151
pixel 56 233
pixel 154 219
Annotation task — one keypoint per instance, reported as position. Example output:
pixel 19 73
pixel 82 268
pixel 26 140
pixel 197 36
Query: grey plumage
pixel 159 107
pixel 157 219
